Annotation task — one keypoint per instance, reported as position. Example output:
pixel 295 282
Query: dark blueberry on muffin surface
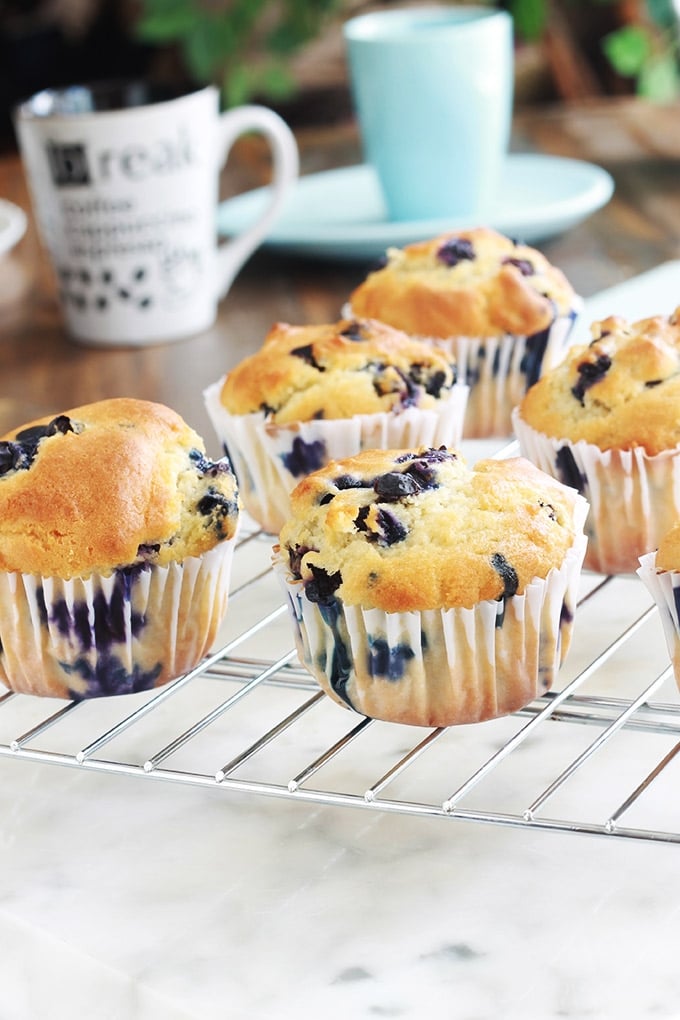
pixel 455 250
pixel 589 373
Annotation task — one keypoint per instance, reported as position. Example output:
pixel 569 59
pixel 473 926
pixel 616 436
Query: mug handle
pixel 285 167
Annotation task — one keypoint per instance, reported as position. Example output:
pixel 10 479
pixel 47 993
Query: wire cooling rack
pixel 596 755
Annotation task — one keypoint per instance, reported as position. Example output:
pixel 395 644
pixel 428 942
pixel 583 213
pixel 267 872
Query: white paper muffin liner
pixel 634 497
pixel 269 460
pixel 499 370
pixel 131 631
pixel 664 587
pixel 439 667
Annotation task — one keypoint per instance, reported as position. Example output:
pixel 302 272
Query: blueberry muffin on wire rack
pixel 500 307
pixel 116 539
pixel 425 592
pixel 316 393
pixel 660 572
pixel 607 421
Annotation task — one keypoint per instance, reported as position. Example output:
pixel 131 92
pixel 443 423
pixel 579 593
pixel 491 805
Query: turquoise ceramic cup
pixel 433 89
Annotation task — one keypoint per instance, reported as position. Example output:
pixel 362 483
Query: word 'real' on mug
pixel 433 92
pixel 124 182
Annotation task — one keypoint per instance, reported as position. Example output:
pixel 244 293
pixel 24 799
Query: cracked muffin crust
pixel 475 283
pixel 337 370
pixel 110 484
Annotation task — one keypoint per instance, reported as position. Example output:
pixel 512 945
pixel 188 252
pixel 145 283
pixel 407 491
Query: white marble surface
pixel 149 902
pixel 125 898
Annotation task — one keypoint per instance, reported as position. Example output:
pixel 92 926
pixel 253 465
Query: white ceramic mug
pixel 124 185
pixel 433 89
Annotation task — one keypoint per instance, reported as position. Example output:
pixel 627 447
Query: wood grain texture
pixel 42 371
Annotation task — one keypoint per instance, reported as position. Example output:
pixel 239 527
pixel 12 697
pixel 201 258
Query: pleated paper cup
pixel 664 587
pixel 499 370
pixel 439 667
pixel 634 497
pixel 269 460
pixel 131 631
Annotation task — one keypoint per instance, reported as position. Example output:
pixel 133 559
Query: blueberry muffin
pixel 660 572
pixel 607 421
pixel 422 591
pixel 500 307
pixel 316 393
pixel 116 533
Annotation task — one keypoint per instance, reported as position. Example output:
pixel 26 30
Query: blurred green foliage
pixel 241 46
pixel 244 46
pixel 648 51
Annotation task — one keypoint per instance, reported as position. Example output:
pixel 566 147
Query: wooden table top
pixel 43 372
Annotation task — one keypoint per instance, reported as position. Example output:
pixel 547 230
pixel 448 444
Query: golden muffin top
pixel 337 370
pixel 110 484
pixel 620 392
pixel 475 283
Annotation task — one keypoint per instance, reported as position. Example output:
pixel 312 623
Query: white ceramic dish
pixel 12 225
pixel 340 214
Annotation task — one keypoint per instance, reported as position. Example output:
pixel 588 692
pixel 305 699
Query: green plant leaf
pixel 628 49
pixel 659 79
pixel 277 81
pixel 530 17
pixel 208 47
pixel 236 85
pixel 165 26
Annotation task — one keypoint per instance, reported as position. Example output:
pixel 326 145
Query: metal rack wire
pixel 596 755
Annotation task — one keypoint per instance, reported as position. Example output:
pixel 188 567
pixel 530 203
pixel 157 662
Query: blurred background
pixel 289 53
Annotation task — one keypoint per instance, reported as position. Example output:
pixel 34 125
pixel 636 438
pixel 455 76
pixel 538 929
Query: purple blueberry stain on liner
pixel 304 457
pixel 534 353
pixel 339 670
pixel 508 576
pixel 566 615
pixel 111 622
pixel 386 661
pixel 108 676
pixel 568 471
